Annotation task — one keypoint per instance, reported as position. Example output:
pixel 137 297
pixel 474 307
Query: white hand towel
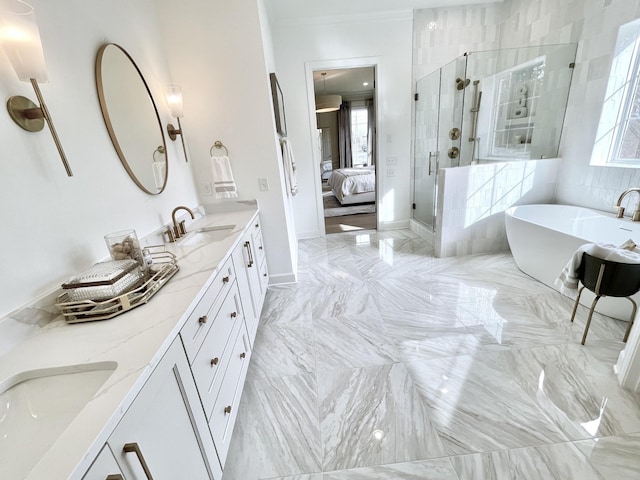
pixel 224 185
pixel 289 168
pixel 159 174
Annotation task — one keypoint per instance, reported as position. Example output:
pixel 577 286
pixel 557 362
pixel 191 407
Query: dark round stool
pixel 607 279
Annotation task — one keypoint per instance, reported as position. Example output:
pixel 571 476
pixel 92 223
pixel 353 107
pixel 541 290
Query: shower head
pixel 461 84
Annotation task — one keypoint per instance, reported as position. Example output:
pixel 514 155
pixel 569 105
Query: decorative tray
pixel 164 267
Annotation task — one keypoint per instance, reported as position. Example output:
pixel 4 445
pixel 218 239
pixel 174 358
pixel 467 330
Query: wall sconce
pixel 174 99
pixel 20 39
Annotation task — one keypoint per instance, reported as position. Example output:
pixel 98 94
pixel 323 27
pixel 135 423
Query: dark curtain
pixel 344 134
pixel 371 133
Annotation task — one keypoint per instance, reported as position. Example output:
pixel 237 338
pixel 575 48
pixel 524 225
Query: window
pixel 618 138
pixel 359 138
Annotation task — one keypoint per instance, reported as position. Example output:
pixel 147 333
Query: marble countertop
pixel 136 340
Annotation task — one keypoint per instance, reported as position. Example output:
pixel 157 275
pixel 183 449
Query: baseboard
pixel 311 234
pixel 422 231
pixel 398 225
pixel 282 279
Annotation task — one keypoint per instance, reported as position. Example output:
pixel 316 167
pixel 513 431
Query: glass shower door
pixel 426 149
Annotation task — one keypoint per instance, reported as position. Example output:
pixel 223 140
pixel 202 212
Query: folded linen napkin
pixel 224 185
pixel 567 281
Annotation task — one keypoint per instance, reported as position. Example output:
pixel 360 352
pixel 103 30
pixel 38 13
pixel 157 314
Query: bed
pixel 353 185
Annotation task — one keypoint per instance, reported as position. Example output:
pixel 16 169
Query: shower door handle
pixel 433 155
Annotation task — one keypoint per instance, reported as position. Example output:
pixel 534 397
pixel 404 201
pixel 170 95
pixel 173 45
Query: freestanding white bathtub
pixel 543 238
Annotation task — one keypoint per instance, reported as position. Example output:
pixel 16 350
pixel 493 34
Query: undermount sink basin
pixel 207 234
pixel 38 405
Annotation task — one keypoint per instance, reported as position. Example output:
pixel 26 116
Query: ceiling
pixel 347 82
pixel 304 9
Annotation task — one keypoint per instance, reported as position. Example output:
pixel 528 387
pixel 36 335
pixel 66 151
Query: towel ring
pixel 159 150
pixel 218 144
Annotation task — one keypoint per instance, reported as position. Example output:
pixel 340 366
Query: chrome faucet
pixel 636 213
pixel 179 229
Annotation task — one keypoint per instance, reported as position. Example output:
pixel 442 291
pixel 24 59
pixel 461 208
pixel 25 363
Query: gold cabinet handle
pixel 202 320
pixel 214 361
pixel 227 409
pixel 133 447
pixel 115 476
pixel 243 355
pixel 234 314
pixel 225 279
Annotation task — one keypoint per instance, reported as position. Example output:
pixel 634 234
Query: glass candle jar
pixel 123 245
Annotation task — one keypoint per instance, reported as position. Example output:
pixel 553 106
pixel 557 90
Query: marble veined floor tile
pixel 280 351
pixel 373 416
pixel 579 392
pixel 322 274
pixel 330 249
pixel 546 462
pixel 413 295
pixel 506 334
pixel 551 307
pixel 615 458
pixel 342 299
pixel 436 469
pixel 448 318
pixel 286 306
pixel 476 407
pixel 308 476
pixel 350 341
pixel 277 429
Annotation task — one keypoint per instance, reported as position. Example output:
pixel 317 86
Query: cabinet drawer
pixel 200 321
pixel 104 466
pixel 214 356
pixel 264 276
pixel 259 246
pixel 225 409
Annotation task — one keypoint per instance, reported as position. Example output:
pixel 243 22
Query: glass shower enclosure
pixel 492 106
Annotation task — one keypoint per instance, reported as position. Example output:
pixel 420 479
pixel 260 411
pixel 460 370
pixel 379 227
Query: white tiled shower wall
pixel 475 198
pixel 442 34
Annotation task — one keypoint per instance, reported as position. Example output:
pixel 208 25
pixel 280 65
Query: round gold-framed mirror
pixel 132 119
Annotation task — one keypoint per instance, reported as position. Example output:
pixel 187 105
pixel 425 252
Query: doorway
pixel 345 101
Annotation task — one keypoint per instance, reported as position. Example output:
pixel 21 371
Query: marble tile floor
pixel 384 362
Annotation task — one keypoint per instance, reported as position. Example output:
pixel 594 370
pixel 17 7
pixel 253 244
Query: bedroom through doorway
pixel 346 128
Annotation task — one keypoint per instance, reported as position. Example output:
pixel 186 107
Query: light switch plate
pixel 263 183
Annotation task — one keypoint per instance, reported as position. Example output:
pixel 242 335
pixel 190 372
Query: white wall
pixel 594 24
pixel 323 43
pixel 443 34
pixel 217 53
pixel 53 225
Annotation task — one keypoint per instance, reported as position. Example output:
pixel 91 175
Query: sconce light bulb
pixel 174 99
pixel 20 40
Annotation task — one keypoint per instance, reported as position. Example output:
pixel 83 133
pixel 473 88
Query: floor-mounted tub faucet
pixel 636 213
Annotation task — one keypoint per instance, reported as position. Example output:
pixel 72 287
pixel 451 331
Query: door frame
pixel 357 62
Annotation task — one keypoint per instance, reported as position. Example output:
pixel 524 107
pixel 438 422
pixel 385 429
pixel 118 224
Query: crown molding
pixel 359 18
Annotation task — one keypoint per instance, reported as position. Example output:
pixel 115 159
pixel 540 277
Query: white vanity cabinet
pixel 222 355
pixel 164 434
pixel 250 263
pixel 104 467
pixel 223 417
pixel 181 422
